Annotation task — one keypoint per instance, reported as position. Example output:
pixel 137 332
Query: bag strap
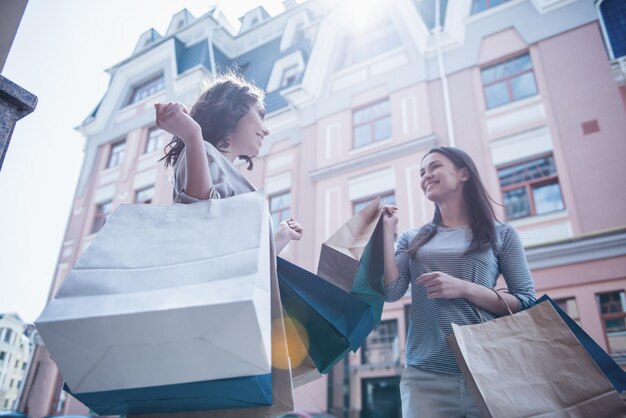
pixel 497 292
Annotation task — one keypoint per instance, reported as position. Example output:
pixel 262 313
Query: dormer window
pixel 290 75
pixel 180 25
pixel 147 88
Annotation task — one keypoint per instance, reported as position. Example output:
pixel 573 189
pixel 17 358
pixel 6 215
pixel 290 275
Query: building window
pixel 612 308
pixel 280 207
pixel 17 364
pixel 116 155
pixel 6 335
pixel 3 354
pixel 613 22
pixel 481 5
pixel 382 344
pixel 363 45
pixel 509 81
pixel 144 195
pixel 102 212
pixel 387 198
pixel 531 188
pixel 570 307
pixel 372 123
pixel 146 89
pixel 152 143
pixel 290 75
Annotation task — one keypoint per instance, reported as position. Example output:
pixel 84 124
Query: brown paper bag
pixel 530 364
pixel 340 254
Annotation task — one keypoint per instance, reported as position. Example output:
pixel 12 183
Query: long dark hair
pixel 226 100
pixel 482 216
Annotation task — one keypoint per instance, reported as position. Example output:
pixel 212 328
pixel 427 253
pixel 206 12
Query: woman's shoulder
pixel 504 229
pixel 506 234
pixel 409 234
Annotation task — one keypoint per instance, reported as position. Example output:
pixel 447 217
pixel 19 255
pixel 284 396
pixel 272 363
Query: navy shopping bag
pixel 609 367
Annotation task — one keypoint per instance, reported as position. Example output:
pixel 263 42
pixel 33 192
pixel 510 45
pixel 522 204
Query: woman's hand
pixel 287 231
pixel 174 118
pixel 440 285
pixel 390 219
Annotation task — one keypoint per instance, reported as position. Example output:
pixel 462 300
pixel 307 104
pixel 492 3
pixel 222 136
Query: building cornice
pixel 377 157
pixel 597 246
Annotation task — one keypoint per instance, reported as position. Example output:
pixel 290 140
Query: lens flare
pixel 297 348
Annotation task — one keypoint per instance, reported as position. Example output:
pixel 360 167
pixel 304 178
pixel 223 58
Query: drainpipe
pixel 442 74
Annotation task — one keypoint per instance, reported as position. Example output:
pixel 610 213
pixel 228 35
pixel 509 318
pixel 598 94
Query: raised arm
pixel 174 118
pixel 390 225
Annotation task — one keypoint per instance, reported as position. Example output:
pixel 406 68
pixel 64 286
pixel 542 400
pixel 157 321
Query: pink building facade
pixel 527 87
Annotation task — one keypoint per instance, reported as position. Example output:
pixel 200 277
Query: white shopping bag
pixel 166 295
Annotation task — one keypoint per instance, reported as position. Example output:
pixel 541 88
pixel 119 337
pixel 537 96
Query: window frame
pixel 371 123
pixel 367 199
pixel 281 210
pixel 116 157
pixel 143 190
pixel 152 140
pixel 137 91
pixel 609 316
pixel 529 185
pixel 100 216
pixel 389 340
pixel 295 68
pixel 508 80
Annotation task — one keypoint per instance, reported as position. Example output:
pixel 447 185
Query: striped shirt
pixel 430 319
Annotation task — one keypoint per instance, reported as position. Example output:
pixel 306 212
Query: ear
pixel 464 175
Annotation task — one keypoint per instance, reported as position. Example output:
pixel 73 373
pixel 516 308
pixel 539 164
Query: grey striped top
pixel 430 319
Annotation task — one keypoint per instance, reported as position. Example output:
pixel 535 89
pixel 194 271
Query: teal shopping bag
pixel 335 321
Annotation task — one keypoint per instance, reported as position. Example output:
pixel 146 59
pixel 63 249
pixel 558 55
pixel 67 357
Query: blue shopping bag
pixel 609 367
pixel 238 392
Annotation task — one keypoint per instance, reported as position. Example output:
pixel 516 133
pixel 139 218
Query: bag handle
pixel 497 292
pixel 508 308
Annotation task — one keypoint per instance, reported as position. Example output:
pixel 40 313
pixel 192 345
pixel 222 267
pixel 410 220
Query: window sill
pixel 373 145
pixel 534 220
pixel 513 106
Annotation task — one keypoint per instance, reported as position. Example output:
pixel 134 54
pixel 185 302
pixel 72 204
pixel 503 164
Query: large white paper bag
pixel 166 295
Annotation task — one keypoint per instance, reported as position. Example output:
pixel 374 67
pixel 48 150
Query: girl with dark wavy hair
pixel 226 123
pixel 452 264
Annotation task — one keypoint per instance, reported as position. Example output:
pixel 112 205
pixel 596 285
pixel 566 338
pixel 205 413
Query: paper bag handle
pixel 508 308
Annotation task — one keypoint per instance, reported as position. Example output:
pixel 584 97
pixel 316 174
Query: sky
pixel 60 53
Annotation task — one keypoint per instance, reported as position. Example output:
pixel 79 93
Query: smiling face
pixel 440 178
pixel 250 131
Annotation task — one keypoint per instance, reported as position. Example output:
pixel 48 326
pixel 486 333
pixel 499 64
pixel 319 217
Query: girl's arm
pixel 514 268
pixel 390 224
pixel 174 118
pixel 396 276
